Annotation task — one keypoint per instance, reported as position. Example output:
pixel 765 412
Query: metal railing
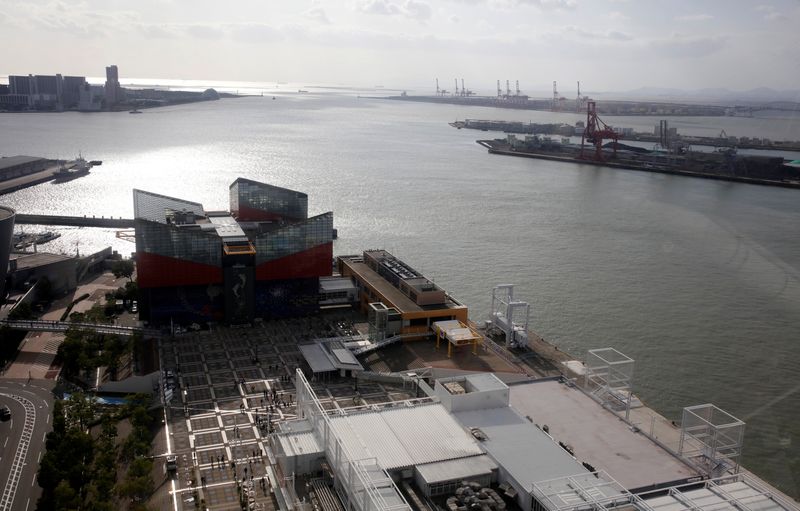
pixel 63 326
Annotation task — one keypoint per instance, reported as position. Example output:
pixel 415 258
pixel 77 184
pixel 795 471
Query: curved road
pixel 22 440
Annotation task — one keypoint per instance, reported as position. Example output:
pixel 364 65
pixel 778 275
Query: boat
pixel 46 236
pixel 95 163
pixel 78 169
pixel 135 111
pixel 303 91
pixel 22 240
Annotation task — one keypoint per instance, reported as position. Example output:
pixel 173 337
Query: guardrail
pixel 63 326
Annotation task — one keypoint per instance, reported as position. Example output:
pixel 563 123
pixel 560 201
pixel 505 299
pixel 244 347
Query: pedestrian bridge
pixel 62 326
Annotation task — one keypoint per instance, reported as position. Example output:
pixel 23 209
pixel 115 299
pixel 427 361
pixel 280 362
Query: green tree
pixel 21 311
pixel 66 497
pixel 123 268
pixel 138 485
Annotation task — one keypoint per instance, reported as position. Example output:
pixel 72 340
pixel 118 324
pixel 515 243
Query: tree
pixel 66 497
pixel 138 485
pixel 21 311
pixel 123 268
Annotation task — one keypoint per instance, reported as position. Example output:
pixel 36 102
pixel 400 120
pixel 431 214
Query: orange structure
pixel 414 303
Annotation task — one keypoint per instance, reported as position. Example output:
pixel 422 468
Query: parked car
pixel 5 413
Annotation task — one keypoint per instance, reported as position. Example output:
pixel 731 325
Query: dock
pixel 74 221
pixel 496 148
pixel 32 179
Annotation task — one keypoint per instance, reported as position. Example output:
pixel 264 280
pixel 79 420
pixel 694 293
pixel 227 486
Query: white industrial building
pixel 468 429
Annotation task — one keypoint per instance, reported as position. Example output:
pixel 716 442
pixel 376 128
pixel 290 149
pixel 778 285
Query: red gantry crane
pixel 594 133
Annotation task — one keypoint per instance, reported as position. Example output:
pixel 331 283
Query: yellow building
pixel 411 302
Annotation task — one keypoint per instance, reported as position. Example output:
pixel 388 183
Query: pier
pixel 32 179
pixel 74 221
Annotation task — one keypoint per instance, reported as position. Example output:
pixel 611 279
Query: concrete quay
pixel 35 178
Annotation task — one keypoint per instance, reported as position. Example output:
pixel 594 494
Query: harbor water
pixel 697 280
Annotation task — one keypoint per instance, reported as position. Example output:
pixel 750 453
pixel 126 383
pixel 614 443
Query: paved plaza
pixel 233 385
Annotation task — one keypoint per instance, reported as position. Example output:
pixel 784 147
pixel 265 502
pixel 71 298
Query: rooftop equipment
pixel 504 311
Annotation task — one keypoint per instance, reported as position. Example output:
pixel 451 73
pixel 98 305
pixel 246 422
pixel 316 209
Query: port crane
pixel 594 133
pixel 440 92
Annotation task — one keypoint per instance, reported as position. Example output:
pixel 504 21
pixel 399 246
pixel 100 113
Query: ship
pixel 78 169
pixel 46 237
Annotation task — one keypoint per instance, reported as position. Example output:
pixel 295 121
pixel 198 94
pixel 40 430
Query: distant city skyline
pixel 609 45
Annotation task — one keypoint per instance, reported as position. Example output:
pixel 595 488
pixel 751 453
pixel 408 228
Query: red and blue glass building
pixel 261 259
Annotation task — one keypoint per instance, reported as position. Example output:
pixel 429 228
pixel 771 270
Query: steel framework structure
pixel 596 491
pixel 712 438
pixel 504 310
pixel 609 374
pixel 595 132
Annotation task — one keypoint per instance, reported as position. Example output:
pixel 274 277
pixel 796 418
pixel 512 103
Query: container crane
pixel 594 133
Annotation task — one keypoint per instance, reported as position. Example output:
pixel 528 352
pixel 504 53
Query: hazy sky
pixel 607 44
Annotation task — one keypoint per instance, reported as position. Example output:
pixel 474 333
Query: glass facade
pixel 185 244
pixel 154 207
pixel 295 238
pixel 287 298
pixel 182 304
pixel 253 201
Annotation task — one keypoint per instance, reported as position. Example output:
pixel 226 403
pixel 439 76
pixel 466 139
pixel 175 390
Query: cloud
pixel 511 4
pixel 770 13
pixel 414 9
pixel 694 17
pixel 682 46
pixel 203 31
pixel 454 19
pixel 616 15
pixel 156 31
pixel 581 33
pixel 417 10
pixel 317 14
pixel 254 33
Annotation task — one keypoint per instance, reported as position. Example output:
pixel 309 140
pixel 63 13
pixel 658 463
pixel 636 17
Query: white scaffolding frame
pixel 711 438
pixel 504 310
pixel 609 376
pixel 734 492
pixel 585 492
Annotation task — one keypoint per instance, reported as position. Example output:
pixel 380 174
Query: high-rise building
pixel 19 84
pixel 113 89
pixel 71 91
pixel 262 259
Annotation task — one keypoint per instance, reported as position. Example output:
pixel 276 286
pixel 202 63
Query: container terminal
pixel 363 385
pixel 516 99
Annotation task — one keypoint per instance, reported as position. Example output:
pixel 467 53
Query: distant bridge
pixel 62 326
pixel 74 221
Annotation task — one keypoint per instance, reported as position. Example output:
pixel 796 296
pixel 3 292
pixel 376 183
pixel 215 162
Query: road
pixel 22 440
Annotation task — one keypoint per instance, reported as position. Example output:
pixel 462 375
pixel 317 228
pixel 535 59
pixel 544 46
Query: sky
pixel 609 45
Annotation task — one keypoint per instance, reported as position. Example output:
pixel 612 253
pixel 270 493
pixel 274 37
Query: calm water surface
pixel 698 281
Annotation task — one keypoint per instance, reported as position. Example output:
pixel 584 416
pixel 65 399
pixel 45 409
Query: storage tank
pixel 6 232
